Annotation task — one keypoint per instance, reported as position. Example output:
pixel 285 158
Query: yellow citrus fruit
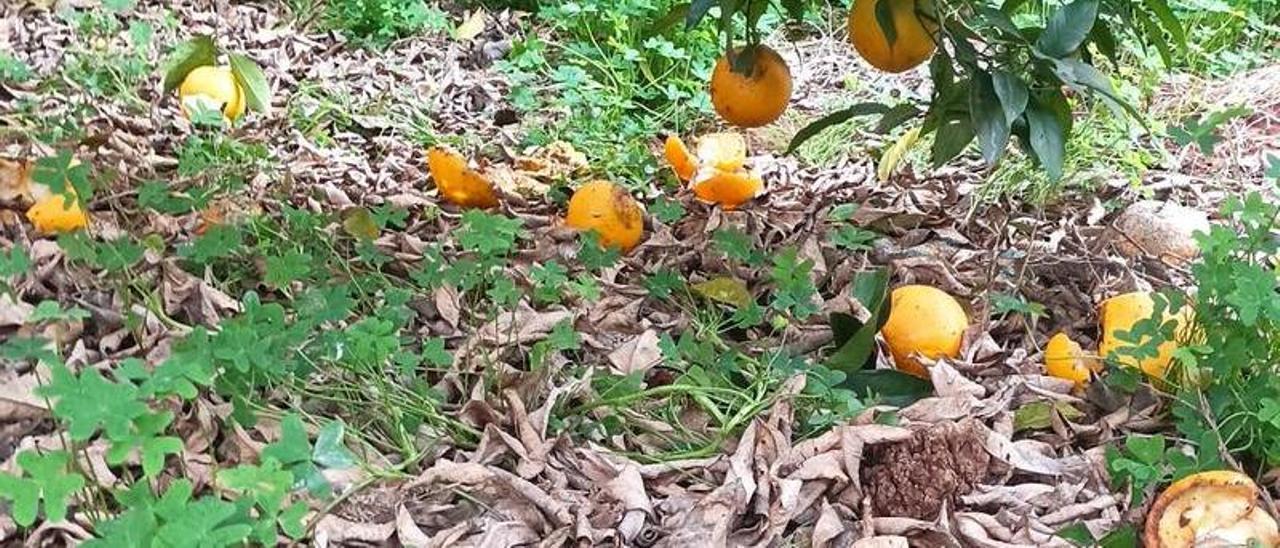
pixel 1121 313
pixel 923 320
pixel 457 183
pixel 730 189
pixel 57 213
pixel 609 210
pixel 1217 507
pixel 1063 358
pixel 755 98
pixel 213 87
pixel 681 160
pixel 913 41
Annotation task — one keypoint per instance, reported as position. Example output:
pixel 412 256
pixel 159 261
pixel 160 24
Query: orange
pixel 457 183
pixel 730 189
pixel 57 213
pixel 681 160
pixel 926 321
pixel 1063 358
pixel 913 41
pixel 610 211
pixel 757 97
pixel 1218 508
pixel 213 87
pixel 1121 313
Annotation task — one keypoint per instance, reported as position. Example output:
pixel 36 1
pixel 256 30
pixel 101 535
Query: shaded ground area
pixel 527 442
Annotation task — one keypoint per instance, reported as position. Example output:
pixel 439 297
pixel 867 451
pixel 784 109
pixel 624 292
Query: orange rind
pixel 1065 359
pixel 1214 508
pixel 459 184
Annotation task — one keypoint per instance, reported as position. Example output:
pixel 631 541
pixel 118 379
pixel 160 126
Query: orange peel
pixel 682 161
pixel 57 214
pixel 610 211
pixel 1214 508
pixel 730 189
pixel 1065 359
pixel 924 321
pixel 459 184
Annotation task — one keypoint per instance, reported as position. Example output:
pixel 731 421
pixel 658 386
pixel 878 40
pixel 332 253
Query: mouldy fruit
pixel 1164 230
pixel 1064 359
pixel 754 98
pixel 57 214
pixel 913 42
pixel 457 183
pixel 923 320
pixel 214 88
pixel 1121 313
pixel 1216 508
pixel 610 211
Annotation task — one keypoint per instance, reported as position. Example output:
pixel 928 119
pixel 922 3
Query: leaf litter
pixel 976 463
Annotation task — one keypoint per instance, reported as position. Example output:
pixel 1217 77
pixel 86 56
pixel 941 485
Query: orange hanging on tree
pixel 906 45
pixel 755 96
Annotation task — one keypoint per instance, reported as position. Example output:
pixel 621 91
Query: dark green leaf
pixel 1168 20
pixel 988 118
pixel 884 18
pixel 999 20
pixel 196 52
pixel 1124 537
pixel 795 8
pixel 950 140
pixel 1068 27
pixel 1102 37
pixel 1012 93
pixel 257 92
pixel 1048 139
pixel 1084 78
pixel 1155 36
pixel 892 386
pixel 895 116
pixel 835 118
pixel 1078 534
pixel 677 13
pixel 856 344
pixel 695 11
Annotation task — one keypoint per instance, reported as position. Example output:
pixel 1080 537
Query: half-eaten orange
pixel 1215 508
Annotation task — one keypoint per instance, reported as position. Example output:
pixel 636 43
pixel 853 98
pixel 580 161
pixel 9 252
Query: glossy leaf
pixel 895 116
pixel 1048 138
pixel 856 341
pixel 951 139
pixel 884 18
pixel 893 387
pixel 988 118
pixel 1068 27
pixel 1168 20
pixel 196 52
pixel 257 92
pixel 696 11
pixel 1012 93
pixel 835 118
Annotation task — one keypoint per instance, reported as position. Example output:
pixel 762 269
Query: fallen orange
pixel 924 321
pixel 610 211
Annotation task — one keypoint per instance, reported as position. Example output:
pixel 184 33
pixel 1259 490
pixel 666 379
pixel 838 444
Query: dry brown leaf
pixel 637 354
pixel 471 27
pixel 336 531
pixel 13 312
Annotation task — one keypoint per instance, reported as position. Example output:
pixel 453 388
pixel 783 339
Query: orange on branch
pixel 457 183
pixel 912 40
pixel 610 211
pixel 756 96
pixel 926 321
